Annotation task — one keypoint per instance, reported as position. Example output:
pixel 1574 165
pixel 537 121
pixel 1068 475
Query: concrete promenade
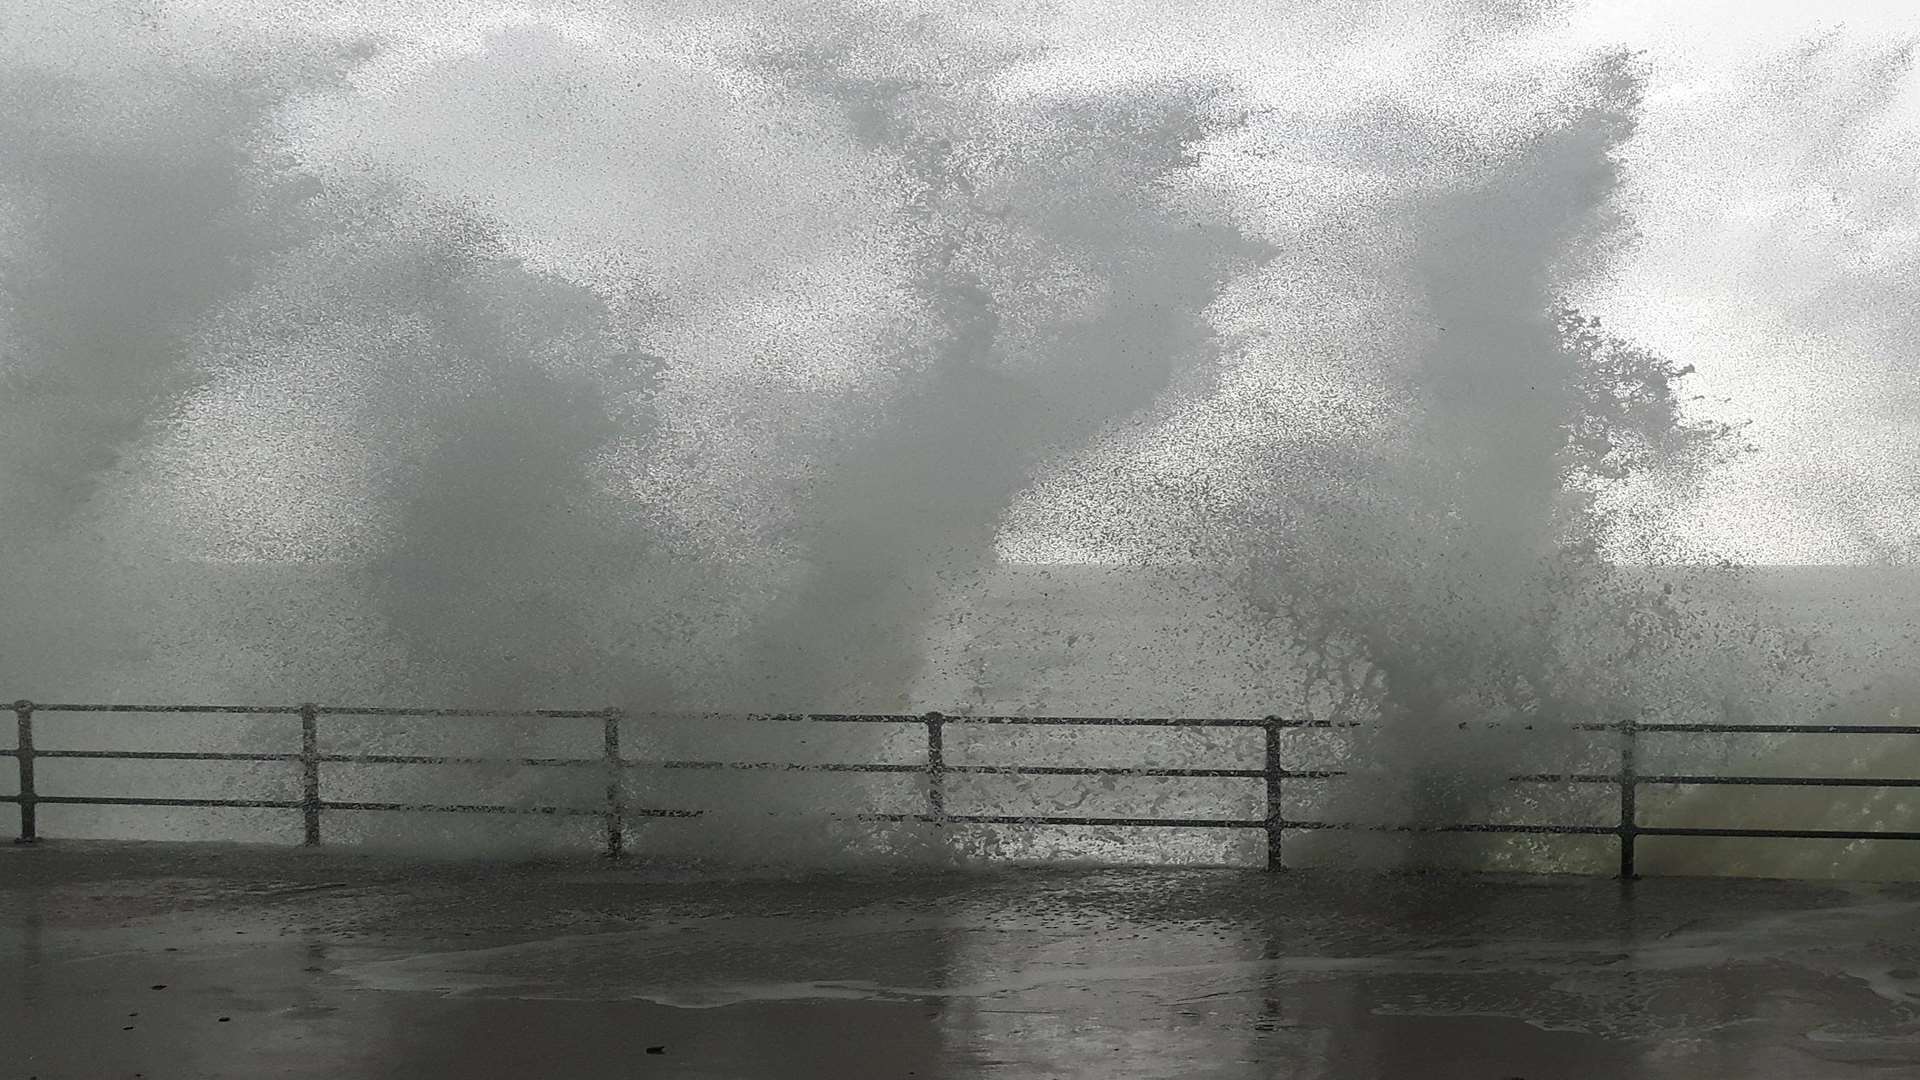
pixel 199 961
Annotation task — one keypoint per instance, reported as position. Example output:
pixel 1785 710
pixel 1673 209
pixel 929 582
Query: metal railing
pixel 615 811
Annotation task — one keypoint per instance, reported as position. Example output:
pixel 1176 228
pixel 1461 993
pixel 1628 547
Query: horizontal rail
pixel 324 710
pixel 1145 771
pixel 495 714
pixel 1106 770
pixel 1109 822
pixel 1108 721
pixel 1789 781
pixel 588 811
pixel 128 800
pixel 636 763
pixel 423 712
pixel 1778 834
pixel 1523 778
pixel 157 755
pixel 469 808
pixel 1476 827
pixel 1780 729
pixel 439 759
pixel 244 710
pixel 595 714
pixel 1660 778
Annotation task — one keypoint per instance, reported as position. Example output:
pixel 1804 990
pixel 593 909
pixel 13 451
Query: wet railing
pixel 616 811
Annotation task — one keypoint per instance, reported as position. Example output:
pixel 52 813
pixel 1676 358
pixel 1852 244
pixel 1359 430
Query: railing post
pixel 936 768
pixel 616 799
pixel 1629 784
pixel 1274 816
pixel 310 774
pixel 23 758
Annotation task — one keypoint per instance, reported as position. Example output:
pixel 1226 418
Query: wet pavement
pixel 156 960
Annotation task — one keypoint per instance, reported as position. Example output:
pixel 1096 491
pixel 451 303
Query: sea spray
pixel 497 368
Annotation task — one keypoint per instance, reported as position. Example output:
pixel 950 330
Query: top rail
pixel 1285 723
pixel 595 714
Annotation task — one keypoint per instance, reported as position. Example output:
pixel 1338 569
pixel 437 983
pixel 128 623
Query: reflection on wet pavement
pixel 280 963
